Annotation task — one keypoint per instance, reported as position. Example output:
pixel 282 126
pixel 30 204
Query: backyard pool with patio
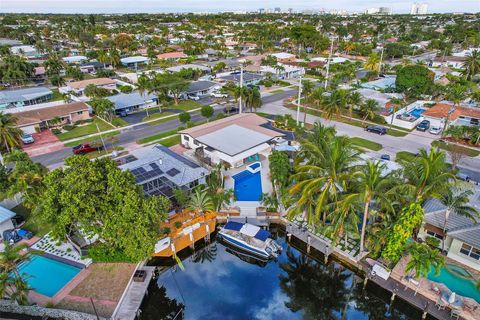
pixel 47 276
pixel 457 279
pixel 416 112
pixel 248 186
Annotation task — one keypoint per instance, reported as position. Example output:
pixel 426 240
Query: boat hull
pixel 241 245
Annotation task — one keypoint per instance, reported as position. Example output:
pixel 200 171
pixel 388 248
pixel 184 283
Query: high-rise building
pixel 277 10
pixel 261 10
pixel 385 10
pixel 290 10
pixel 419 8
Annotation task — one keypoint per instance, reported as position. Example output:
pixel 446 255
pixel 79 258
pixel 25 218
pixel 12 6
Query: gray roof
pixel 25 94
pixel 228 62
pixel 166 160
pixel 234 139
pixel 470 235
pixel 247 76
pixel 9 42
pixel 187 66
pixel 126 100
pixel 5 214
pixel 198 86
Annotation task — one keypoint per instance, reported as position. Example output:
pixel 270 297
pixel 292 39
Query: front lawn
pixel 157 136
pixel 364 143
pixel 119 122
pixel 56 95
pixel 185 105
pixel 405 156
pixel 463 150
pixel 170 141
pixel 158 115
pixel 85 130
pixel 276 91
pixel 91 139
pixel 32 223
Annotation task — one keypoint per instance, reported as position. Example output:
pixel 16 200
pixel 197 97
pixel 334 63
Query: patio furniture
pixel 139 276
pixel 440 304
pixel 455 314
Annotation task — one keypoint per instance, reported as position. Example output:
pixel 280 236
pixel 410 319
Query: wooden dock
pixel 132 297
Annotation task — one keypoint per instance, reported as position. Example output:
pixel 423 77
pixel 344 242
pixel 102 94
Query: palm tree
pixel 144 84
pixel 200 201
pixel 253 99
pixel 53 65
pixel 307 88
pixel 114 57
pixel 9 134
pixel 373 186
pixel 471 65
pixel 369 110
pixel 423 258
pixel 354 99
pixel 103 57
pixel 373 62
pixel 456 200
pixel 334 104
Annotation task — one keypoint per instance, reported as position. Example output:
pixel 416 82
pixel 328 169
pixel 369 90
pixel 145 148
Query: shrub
pixel 190 124
pixel 267 83
pixel 178 224
pixel 88 120
pixel 432 242
pixel 100 253
pixel 165 230
pixel 56 131
pixel 79 122
pixel 69 127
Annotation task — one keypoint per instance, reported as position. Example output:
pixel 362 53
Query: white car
pixel 193 98
pixel 27 138
pixel 435 130
pixel 219 95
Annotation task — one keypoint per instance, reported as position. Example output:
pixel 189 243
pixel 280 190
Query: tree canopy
pixel 414 80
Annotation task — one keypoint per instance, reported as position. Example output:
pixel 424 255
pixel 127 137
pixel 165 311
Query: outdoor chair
pixel 440 305
pixel 455 314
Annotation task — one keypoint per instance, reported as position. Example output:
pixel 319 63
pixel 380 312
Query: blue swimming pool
pixel 248 186
pixel 448 276
pixel 416 112
pixel 47 276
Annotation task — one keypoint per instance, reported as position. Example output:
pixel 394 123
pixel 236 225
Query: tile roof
pixel 35 116
pixel 97 81
pixel 441 110
pixel 172 55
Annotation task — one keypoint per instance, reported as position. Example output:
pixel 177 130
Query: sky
pixel 158 6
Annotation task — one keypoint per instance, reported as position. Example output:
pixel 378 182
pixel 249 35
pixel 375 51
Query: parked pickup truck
pixel 84 148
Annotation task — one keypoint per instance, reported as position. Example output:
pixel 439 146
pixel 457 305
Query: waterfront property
pixel 35 119
pixel 160 170
pixel 233 141
pixel 24 97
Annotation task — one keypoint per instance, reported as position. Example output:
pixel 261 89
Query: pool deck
pixel 131 300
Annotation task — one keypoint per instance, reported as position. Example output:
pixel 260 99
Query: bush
pixel 267 83
pixel 104 253
pixel 283 83
pixel 184 117
pixel 178 224
pixel 79 122
pixel 56 131
pixel 88 120
pixel 69 127
pixel 165 230
pixel 190 124
pixel 126 89
pixel 432 242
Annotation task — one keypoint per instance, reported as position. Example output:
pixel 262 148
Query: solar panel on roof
pixel 154 165
pixel 138 171
pixel 178 157
pixel 173 172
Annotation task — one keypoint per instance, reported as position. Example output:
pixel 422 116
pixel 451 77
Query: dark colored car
pixel 253 86
pixel 84 148
pixel 18 220
pixel 230 110
pixel 385 157
pixel 11 236
pixel 377 129
pixel 423 126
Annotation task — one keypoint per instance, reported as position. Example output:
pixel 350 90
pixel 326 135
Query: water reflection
pixel 221 283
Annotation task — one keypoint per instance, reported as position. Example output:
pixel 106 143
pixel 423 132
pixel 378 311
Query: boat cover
pixel 249 229
pixel 262 235
pixel 232 225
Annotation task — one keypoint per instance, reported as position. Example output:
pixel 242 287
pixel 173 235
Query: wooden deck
pixel 132 298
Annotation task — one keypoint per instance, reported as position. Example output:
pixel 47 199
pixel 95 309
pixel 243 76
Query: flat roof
pixel 97 81
pixel 125 100
pixel 187 66
pixel 234 139
pixel 135 59
pixel 25 94
pixel 198 86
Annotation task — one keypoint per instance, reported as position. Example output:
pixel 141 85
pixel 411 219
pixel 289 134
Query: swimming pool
pixel 450 277
pixel 47 276
pixel 248 186
pixel 416 112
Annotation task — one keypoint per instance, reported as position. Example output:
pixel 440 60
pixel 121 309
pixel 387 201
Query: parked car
pixel 423 126
pixel 376 129
pixel 11 236
pixel 193 98
pixel 84 148
pixel 230 110
pixel 219 95
pixel 385 157
pixel 123 114
pixel 27 138
pixel 18 220
pixel 435 130
pixel 463 176
pixel 25 234
pixel 253 86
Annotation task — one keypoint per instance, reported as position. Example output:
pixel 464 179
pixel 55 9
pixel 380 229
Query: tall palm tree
pixel 354 99
pixel 471 65
pixel 114 57
pixel 307 88
pixel 373 185
pixel 144 85
pixel 9 134
pixel 333 104
pixel 369 110
pixel 373 62
pixel 423 258
pixel 200 201
pixel 103 57
pixel 53 65
pixel 456 200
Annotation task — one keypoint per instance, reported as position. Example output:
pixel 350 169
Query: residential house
pixel 160 170
pixel 232 141
pixel 437 115
pixel 448 61
pixel 201 88
pixel 5 220
pixel 134 62
pixel 75 59
pixel 129 102
pixel 283 56
pixel 462 235
pixel 283 71
pixel 37 118
pixel 24 97
pixel 248 78
pixel 189 66
pixel 172 56
pixel 93 66
pixel 78 87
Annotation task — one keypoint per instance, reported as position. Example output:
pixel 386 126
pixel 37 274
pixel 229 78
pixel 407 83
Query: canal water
pixel 219 283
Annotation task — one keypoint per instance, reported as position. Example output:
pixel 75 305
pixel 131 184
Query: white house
pixel 233 140
pixel 77 87
pixel 5 220
pixel 284 72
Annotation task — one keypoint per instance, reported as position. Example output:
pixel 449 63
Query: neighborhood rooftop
pixel 25 94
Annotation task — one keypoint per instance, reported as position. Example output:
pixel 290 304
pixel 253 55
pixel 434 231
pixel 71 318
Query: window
pixel 470 251
pixel 79 112
pixel 433 234
pixel 195 142
pixel 186 138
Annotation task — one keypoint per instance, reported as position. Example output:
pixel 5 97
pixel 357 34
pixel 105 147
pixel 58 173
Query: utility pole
pixel 328 62
pixel 101 138
pixel 241 88
pixel 298 101
pixel 381 60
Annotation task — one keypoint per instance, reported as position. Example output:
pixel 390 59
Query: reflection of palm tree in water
pixel 158 306
pixel 209 253
pixel 316 289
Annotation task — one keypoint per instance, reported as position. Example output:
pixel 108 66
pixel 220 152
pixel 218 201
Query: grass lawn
pixel 405 155
pixel 263 114
pixel 364 143
pixel 84 130
pixel 119 122
pixel 96 154
pixel 170 141
pixel 157 136
pixel 56 95
pixel 186 105
pixel 276 91
pixel 88 140
pixel 32 223
pixel 158 115
pixel 463 150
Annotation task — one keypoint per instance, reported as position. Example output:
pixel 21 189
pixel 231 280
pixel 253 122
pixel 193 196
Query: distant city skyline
pixel 156 6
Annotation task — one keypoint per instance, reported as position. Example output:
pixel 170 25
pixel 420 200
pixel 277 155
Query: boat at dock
pixel 250 238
